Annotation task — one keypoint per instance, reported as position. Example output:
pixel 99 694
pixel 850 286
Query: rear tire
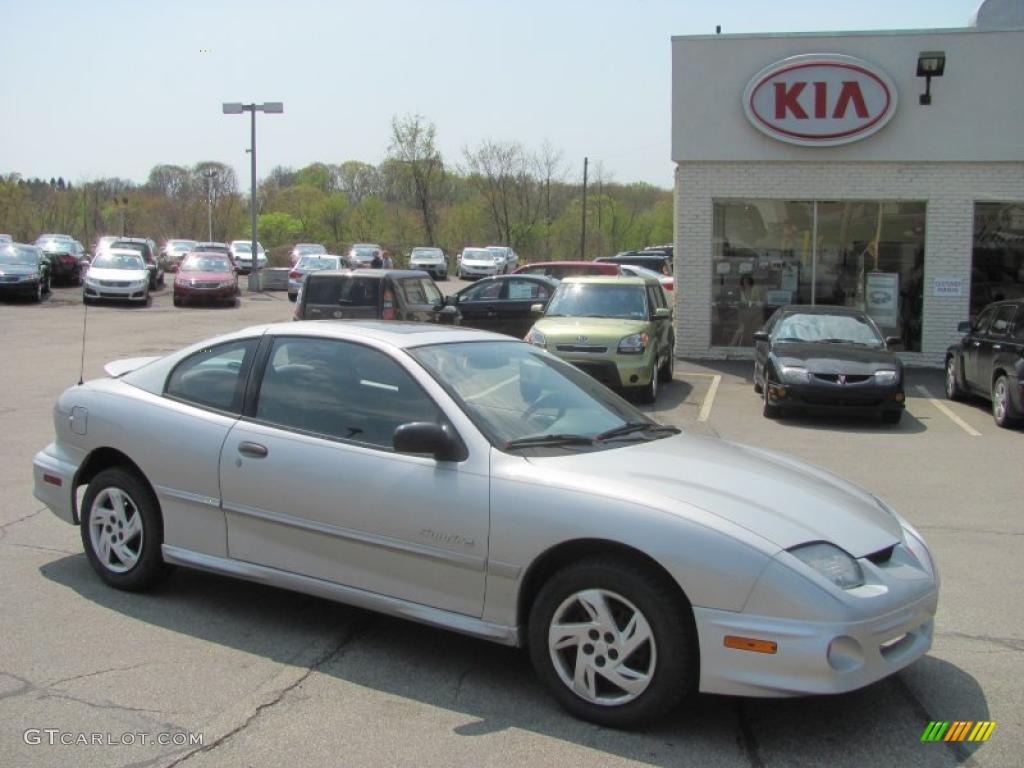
pixel 1001 405
pixel 292 297
pixel 122 530
pixel 642 636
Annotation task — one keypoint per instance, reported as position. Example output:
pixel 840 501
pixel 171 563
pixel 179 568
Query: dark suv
pixel 989 361
pixel 385 294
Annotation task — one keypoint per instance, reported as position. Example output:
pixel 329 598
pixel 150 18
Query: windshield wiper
pixel 637 426
pixel 551 441
pixel 842 341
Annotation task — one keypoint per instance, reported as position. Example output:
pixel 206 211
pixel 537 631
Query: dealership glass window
pixel 997 269
pixel 770 253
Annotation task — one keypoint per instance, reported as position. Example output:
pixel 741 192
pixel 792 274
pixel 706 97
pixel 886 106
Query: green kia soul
pixel 617 329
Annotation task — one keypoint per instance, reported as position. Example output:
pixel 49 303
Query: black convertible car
pixel 813 357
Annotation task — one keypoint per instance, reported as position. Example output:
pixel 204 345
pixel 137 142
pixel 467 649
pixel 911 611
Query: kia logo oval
pixel 820 99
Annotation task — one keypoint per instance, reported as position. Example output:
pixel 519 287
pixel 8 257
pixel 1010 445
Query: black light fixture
pixel 930 64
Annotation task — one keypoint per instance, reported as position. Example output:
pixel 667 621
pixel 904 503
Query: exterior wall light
pixel 930 64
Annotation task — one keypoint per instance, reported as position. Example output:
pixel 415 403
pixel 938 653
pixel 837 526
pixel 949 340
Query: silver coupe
pixel 475 482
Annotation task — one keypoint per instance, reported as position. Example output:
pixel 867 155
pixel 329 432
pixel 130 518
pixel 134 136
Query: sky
pixel 100 88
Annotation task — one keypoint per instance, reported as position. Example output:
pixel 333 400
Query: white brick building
pixel 919 218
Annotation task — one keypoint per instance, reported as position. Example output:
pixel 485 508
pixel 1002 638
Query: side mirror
pixel 661 312
pixel 537 309
pixel 428 437
pixel 964 327
pixel 893 341
pixel 760 337
pixel 446 310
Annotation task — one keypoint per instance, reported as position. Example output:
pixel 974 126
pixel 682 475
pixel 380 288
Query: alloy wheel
pixel 602 647
pixel 1000 397
pixel 115 530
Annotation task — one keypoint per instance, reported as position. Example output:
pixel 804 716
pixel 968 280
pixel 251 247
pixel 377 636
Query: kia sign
pixel 820 100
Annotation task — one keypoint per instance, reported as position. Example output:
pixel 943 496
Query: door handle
pixel 255 450
pixel 977 343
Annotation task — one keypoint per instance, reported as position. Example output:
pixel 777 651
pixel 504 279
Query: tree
pixel 413 144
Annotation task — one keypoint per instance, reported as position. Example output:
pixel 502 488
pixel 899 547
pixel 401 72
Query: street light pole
pixel 209 175
pixel 236 108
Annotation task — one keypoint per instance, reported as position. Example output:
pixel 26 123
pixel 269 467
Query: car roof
pixel 822 309
pixel 399 334
pixel 608 280
pixel 377 273
pixel 546 279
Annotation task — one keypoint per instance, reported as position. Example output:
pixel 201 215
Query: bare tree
pixel 413 145
pixel 507 177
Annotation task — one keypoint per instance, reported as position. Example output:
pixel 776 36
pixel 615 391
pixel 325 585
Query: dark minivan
pixel 384 294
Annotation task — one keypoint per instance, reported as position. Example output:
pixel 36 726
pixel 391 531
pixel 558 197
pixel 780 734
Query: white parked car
pixel 474 482
pixel 241 253
pixel 116 273
pixel 306 264
pixel 361 255
pixel 479 262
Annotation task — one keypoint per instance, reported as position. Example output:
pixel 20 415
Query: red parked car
pixel 206 277
pixel 560 269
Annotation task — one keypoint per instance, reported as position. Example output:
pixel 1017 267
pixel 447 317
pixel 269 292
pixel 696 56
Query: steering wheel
pixel 550 400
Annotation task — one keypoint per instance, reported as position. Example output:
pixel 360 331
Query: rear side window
pixel 1003 319
pixel 420 290
pixel 655 296
pixel 213 377
pixel 346 290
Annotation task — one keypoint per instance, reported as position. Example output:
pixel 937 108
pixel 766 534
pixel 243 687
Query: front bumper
pixel 204 294
pixel 614 371
pixel 479 270
pixel 19 287
pixel 434 270
pixel 54 478
pixel 828 395
pixel 120 293
pixel 812 657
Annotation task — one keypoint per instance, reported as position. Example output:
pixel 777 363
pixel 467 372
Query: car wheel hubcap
pixel 602 647
pixel 999 399
pixel 950 378
pixel 115 530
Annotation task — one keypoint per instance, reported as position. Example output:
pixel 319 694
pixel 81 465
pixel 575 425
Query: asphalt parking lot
pixel 269 677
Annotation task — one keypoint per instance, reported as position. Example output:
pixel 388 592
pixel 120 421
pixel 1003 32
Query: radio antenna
pixel 85 323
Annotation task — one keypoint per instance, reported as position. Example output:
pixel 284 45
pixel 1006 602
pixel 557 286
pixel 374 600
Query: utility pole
pixel 583 234
pixel 209 174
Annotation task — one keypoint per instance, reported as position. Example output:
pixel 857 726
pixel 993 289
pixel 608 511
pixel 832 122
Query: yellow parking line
pixel 946 410
pixel 709 399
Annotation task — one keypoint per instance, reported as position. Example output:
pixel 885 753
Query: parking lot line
pixel 946 410
pixel 709 398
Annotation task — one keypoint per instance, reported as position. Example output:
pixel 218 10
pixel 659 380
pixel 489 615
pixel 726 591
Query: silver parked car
pixel 431 260
pixel 117 273
pixel 306 264
pixel 471 481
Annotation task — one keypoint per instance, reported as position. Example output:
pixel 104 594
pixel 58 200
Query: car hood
pixel 835 358
pixel 18 269
pixel 778 498
pixel 596 329
pixel 131 275
pixel 220 277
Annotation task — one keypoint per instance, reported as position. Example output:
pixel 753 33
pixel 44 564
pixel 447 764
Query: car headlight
pixel 139 283
pixel 30 276
pixel 831 562
pixel 793 374
pixel 887 377
pixel 537 338
pixel 91 281
pixel 227 283
pixel 634 344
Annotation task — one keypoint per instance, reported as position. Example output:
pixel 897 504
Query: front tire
pixel 649 394
pixel 667 370
pixel 122 530
pixel 768 410
pixel 37 297
pixel 614 643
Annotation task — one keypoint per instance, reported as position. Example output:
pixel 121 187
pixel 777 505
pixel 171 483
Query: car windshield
pixel 181 245
pixel 214 247
pixel 206 264
pixel 245 247
pixel 522 398
pixel 836 329
pixel 599 300
pixel 304 249
pixel 318 262
pixel 117 261
pixel 478 253
pixel 426 253
pixel 11 255
pixel 365 252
